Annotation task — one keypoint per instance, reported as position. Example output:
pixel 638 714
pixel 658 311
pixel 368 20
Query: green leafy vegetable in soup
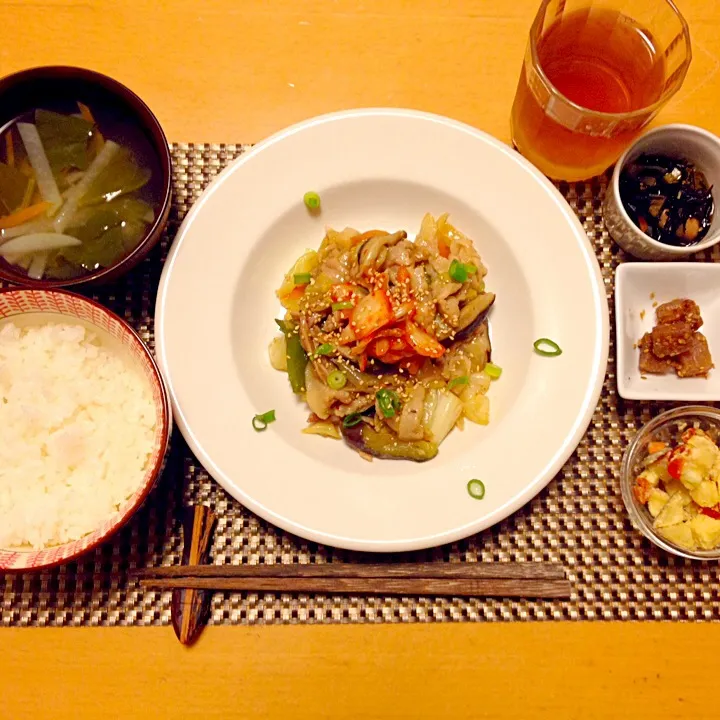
pixel 65 139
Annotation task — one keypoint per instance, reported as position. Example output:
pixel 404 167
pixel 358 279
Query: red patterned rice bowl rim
pixel 71 305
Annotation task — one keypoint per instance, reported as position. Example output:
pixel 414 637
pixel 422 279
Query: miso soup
pixel 79 190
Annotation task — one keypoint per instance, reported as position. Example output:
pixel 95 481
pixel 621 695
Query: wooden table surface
pixel 236 71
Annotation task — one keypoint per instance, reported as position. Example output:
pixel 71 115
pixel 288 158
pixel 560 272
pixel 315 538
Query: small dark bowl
pixel 57 86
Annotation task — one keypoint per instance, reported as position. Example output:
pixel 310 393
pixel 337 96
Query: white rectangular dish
pixel 639 289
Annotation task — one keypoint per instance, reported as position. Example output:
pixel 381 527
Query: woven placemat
pixel 578 520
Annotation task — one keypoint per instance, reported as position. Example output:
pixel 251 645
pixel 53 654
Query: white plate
pixel 379 168
pixel 639 288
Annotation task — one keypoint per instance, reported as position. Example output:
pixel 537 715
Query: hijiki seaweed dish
pixel 386 338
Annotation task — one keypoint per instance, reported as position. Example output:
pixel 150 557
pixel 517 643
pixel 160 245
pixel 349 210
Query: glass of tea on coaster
pixel 594 73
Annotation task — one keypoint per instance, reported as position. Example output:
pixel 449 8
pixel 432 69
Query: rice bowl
pixel 88 421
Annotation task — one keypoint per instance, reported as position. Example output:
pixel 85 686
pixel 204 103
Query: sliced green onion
pixel 462 380
pixel 476 489
pixel 542 344
pixel 493 370
pixel 352 420
pixel 337 380
pixel 388 402
pixel 458 271
pixel 324 349
pixel 260 422
pixel 311 200
pixel 345 305
pixel 302 278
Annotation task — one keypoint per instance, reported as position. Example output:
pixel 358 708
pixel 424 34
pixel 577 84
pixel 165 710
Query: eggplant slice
pixel 476 312
pixel 386 446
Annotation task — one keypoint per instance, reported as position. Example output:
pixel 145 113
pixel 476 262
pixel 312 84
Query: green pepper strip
pixel 297 358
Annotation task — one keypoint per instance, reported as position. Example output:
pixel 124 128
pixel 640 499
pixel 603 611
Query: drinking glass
pixel 594 73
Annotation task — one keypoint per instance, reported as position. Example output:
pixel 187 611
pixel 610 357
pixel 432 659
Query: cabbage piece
pixel 476 406
pixel 277 352
pixel 477 409
pixel 477 384
pixel 306 263
pixel 442 410
pixel 431 398
pixel 410 426
pixel 65 139
pixel 323 428
pixel 319 395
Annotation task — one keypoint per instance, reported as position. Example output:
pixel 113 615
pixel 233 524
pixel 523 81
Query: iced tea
pixel 592 78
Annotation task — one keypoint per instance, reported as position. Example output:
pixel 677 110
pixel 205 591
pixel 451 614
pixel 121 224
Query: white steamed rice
pixel 77 425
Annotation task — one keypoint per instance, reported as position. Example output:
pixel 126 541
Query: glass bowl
pixel 666 427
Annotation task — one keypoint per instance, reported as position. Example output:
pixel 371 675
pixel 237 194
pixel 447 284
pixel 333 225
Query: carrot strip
pixel 25 168
pixel 97 141
pixel 9 149
pixel 443 247
pixel 21 216
pixel 655 447
pixel 85 112
pixel 295 294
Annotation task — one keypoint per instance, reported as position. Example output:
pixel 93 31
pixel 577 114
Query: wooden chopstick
pixel 488 587
pixel 460 571
pixel 438 579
